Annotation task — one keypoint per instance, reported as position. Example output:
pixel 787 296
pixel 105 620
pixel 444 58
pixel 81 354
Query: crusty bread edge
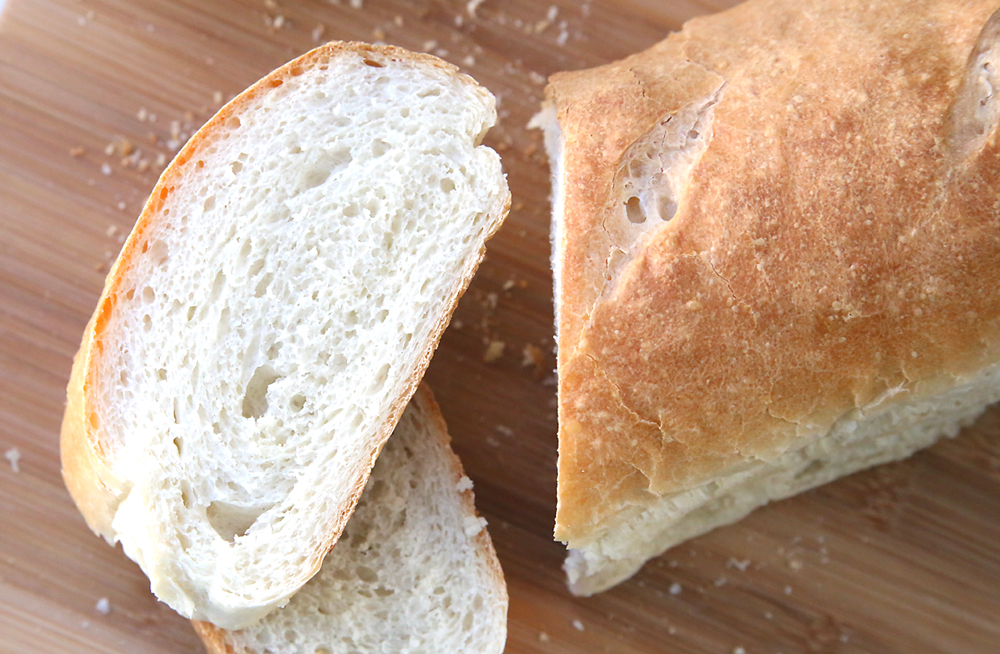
pixel 218 641
pixel 85 469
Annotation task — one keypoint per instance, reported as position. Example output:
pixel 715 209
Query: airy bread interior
pixel 272 312
pixel 414 570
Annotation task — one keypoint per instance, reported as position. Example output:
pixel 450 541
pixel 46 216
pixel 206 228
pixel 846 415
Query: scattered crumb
pixel 675 588
pixel 161 159
pixel 357 4
pixel 105 169
pixel 121 206
pixel 378 34
pixel 318 31
pixel 788 590
pixel 739 650
pixel 553 12
pixel 14 456
pixel 217 97
pixel 795 565
pixel 577 625
pixel 768 615
pixel 463 484
pixel 103 606
pixel 85 624
pixel 125 148
pixel 504 430
pixel 543 637
pixel 271 4
pixel 532 356
pixel 472 6
pixel 740 565
pixel 109 149
pixel 457 325
pixel 397 20
pixel 473 526
pixel 671 630
pixel 491 301
pixel 469 60
pixel 494 351
pixel 721 581
pixel 429 45
pixel 78 151
pixel 509 284
pixel 112 230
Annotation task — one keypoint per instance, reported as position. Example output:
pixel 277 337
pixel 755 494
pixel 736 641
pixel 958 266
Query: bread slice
pixel 776 254
pixel 414 570
pixel 270 316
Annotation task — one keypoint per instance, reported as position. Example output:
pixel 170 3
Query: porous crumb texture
pixel 407 576
pixel 306 251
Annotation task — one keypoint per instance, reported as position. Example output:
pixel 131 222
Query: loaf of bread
pixel 269 317
pixel 414 570
pixel 776 242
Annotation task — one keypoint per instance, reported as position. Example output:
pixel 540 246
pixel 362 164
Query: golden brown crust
pixel 220 641
pixel 829 246
pixel 85 449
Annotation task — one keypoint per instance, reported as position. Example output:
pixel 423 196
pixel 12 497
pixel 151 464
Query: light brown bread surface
pixel 269 317
pixel 776 248
pixel 415 570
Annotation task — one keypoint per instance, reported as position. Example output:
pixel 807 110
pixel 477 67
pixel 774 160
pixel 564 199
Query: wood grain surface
pixel 95 95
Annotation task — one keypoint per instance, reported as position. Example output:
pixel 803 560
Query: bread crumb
pixel 578 625
pixel 469 60
pixel 112 230
pixel 357 4
pixel 509 284
pixel 397 20
pixel 13 455
pixel 795 565
pixel 378 34
pixel 217 97
pixel 543 637
pixel 739 650
pixel 532 356
pixel 105 169
pixel 494 351
pixel 271 4
pixel 671 630
pixel 103 606
pixel 429 45
pixel 317 32
pixel 125 148
pixel 504 430
pixel 78 151
pixel 675 588
pixel 473 526
pixel 109 149
pixel 464 484
pixel 768 615
pixel 721 581
pixel 788 590
pixel 472 6
pixel 491 301
pixel 740 565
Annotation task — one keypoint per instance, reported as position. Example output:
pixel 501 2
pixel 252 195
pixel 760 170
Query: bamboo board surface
pixel 901 559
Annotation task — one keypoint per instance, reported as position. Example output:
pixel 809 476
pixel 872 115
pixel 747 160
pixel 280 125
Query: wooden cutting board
pixel 95 95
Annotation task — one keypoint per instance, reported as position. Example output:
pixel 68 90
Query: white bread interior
pixel 270 316
pixel 414 571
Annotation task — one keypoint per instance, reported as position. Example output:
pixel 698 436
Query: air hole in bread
pixel 327 164
pixel 255 398
pixel 209 203
pixel 159 253
pixel 667 207
pixel 177 444
pixel 236 166
pixel 147 323
pixel 232 520
pixel 161 374
pixel 297 402
pixel 366 574
pixel 812 469
pixel 447 185
pixel 373 63
pixel 633 209
pixel 429 93
pixel 263 284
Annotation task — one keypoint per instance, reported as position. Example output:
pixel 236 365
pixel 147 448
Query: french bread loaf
pixel 269 317
pixel 776 253
pixel 413 572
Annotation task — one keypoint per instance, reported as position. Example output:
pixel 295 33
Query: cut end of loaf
pixel 272 312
